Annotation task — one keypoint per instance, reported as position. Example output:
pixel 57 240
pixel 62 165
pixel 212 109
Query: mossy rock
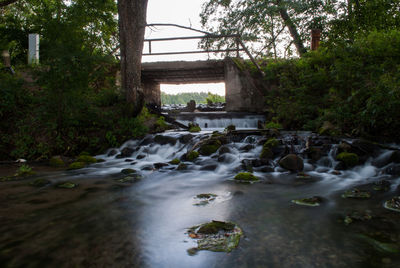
pixel 382 185
pixel 84 153
pixel 194 129
pixel 215 226
pixel 205 199
pixel 292 162
pixel 210 147
pixel 215 236
pixel 393 204
pixel 77 165
pixel 348 159
pixel 357 216
pixel 311 202
pixel 230 128
pixel 128 171
pixel 266 153
pixel 383 247
pixel 129 179
pixel 67 185
pixel 181 166
pixel 328 129
pixel 192 155
pixel 175 161
pixel 56 161
pixel 355 193
pixel 246 177
pixel 271 143
pixel 86 159
pixel 39 182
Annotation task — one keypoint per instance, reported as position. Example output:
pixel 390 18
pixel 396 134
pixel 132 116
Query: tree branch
pixel 7 2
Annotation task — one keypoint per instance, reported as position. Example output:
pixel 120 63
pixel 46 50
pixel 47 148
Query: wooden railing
pixel 237 39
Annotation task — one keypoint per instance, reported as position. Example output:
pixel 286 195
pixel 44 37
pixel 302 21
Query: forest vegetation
pixel 70 102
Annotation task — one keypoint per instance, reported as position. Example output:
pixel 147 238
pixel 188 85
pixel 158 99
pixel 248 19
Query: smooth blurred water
pixel 106 224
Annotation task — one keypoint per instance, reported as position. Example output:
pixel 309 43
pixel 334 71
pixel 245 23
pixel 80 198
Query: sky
pixel 182 12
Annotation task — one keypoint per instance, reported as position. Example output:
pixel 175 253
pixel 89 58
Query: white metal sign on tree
pixel 33 53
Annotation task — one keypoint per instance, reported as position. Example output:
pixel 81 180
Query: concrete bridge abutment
pixel 241 92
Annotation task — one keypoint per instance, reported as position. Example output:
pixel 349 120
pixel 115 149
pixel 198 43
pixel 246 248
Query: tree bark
pixel 132 23
pixel 292 28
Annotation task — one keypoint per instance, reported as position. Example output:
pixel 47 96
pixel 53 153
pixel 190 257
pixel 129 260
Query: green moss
pixel 181 166
pixel 129 179
pixel 266 153
pixel 393 204
pixel 127 171
pixel 311 202
pixel 349 159
pixel 77 165
pixel 275 125
pixel 67 185
pixel 194 129
pixel 56 161
pixel 210 147
pixel 86 159
pixel 39 182
pixel 215 226
pixel 24 170
pixel 355 193
pixel 380 246
pixel 245 176
pixel 215 236
pixel 175 161
pixel 192 155
pixel 271 143
pixel 230 128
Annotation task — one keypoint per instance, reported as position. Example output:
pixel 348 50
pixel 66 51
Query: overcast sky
pixel 182 12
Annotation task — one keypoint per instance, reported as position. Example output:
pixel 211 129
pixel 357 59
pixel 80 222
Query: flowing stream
pixel 108 223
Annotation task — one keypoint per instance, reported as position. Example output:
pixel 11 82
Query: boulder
pixel 292 162
pixel 162 140
pixel 348 159
pixel 186 138
pixel 112 152
pixel 191 106
pixel 192 155
pixel 126 152
pixel 224 150
pixel 56 161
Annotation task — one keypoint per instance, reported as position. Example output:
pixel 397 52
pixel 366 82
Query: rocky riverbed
pixel 297 199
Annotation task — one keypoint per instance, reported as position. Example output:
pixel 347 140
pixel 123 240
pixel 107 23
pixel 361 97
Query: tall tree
pixel 269 24
pixel 132 23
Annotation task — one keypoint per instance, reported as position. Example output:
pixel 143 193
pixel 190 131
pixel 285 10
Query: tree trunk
pixel 292 28
pixel 132 24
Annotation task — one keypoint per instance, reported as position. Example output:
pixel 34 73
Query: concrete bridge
pixel 242 94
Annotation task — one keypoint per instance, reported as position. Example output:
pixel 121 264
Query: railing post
pixel 149 47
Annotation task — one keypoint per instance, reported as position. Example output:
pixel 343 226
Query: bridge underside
pixel 240 94
pixel 184 72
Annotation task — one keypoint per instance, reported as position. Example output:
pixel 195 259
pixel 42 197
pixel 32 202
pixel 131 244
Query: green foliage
pixel 183 98
pixel 214 98
pixel 353 86
pixel 272 124
pixel 24 170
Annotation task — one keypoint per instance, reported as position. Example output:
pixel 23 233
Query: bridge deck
pixel 184 71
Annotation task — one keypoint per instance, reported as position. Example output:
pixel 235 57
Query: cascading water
pixel 220 120
pixel 144 222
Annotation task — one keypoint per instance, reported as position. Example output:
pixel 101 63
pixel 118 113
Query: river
pixel 109 223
